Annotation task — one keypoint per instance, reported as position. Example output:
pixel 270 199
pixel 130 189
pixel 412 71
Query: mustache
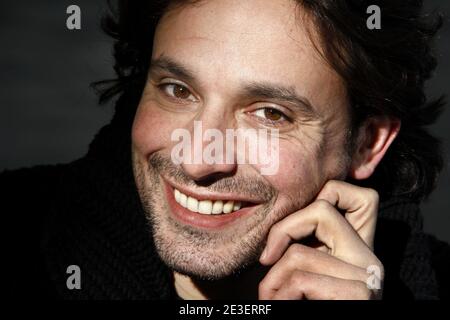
pixel 221 184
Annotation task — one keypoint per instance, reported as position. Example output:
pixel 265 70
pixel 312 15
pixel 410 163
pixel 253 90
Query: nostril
pixel 213 178
pixel 205 175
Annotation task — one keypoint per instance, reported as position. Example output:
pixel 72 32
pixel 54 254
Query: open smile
pixel 207 210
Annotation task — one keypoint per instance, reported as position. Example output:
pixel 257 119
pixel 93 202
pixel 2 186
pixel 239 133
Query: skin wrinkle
pixel 194 236
pixel 260 89
pixel 311 152
pixel 266 192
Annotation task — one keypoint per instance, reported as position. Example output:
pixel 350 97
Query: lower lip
pixel 208 221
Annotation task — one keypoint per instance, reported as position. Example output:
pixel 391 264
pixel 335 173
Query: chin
pixel 202 257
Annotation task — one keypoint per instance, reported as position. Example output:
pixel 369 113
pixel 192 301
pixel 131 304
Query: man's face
pixel 235 64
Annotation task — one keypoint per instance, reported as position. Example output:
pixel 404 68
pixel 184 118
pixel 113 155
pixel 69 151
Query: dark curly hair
pixel 384 71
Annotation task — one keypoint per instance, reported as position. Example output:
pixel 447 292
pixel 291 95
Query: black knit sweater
pixel 87 213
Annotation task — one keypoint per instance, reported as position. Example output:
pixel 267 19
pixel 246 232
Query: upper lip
pixel 210 195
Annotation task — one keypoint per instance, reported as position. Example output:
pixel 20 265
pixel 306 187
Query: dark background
pixel 48 113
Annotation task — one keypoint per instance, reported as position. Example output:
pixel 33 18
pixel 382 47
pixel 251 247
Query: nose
pixel 212 156
pixel 207 172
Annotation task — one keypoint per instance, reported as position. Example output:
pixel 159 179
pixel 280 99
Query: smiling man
pixel 343 112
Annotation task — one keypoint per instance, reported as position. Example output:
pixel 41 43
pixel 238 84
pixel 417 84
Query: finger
pixel 304 258
pixel 323 221
pixel 311 286
pixel 360 205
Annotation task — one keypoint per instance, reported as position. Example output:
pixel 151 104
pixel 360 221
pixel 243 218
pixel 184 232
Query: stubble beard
pixel 198 253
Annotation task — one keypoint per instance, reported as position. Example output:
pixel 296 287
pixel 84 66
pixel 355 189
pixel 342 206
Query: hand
pixel 338 269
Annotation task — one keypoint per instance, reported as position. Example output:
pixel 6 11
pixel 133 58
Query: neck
pixel 241 286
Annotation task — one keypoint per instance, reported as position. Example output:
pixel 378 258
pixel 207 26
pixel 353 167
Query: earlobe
pixel 377 134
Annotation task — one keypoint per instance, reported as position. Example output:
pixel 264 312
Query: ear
pixel 375 137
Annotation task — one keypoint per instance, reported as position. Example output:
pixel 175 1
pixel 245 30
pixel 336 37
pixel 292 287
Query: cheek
pixel 151 131
pixel 299 176
pixel 298 171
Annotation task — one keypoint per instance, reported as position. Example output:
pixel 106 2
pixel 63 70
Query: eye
pixel 177 91
pixel 270 115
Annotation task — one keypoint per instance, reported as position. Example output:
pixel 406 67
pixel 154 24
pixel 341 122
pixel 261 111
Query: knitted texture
pixel 404 250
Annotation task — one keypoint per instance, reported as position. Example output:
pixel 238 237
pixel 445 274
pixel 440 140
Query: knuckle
pixel 295 248
pixel 301 257
pixel 322 205
pixel 326 211
pixel 373 195
pixel 331 184
pixel 296 251
pixel 299 279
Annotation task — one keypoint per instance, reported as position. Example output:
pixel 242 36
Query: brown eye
pixel 180 92
pixel 272 114
pixel 177 91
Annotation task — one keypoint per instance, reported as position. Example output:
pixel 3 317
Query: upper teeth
pixel 206 206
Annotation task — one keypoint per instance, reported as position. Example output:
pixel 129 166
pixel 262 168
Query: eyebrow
pixel 175 68
pixel 263 90
pixel 271 91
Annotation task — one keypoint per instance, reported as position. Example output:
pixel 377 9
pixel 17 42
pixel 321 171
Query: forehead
pixel 252 40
